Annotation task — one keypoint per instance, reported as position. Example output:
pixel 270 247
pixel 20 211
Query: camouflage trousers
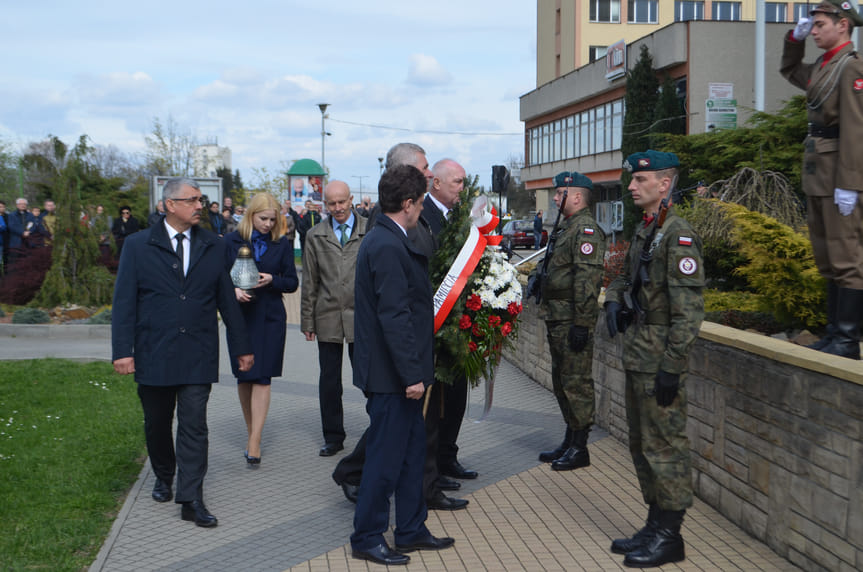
pixel 658 443
pixel 571 377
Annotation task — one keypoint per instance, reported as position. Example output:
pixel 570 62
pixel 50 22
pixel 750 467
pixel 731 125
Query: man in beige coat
pixel 329 265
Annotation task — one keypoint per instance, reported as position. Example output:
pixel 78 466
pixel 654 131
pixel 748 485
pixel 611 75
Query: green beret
pixel 650 160
pixel 842 8
pixel 572 179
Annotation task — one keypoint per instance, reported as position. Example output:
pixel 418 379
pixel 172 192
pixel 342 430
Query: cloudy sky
pixel 252 74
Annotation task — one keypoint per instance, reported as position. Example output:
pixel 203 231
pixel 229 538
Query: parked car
pixel 519 234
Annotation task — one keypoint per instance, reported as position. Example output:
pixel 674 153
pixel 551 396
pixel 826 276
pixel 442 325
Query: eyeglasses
pixel 190 200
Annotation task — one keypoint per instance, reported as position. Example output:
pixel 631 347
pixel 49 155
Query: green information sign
pixel 720 114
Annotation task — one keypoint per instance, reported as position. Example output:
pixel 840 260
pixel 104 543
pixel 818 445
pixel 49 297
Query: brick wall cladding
pixel 776 448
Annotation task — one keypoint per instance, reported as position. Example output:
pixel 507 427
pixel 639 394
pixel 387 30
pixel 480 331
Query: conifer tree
pixel 75 277
pixel 640 100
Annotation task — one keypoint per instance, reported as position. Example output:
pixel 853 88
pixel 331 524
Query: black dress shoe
pixel 330 449
pixel 430 543
pixel 446 484
pixel 456 471
pixel 162 491
pixel 351 492
pixel 381 554
pixel 440 501
pixel 197 512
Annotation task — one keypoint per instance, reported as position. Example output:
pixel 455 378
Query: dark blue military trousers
pixel 395 454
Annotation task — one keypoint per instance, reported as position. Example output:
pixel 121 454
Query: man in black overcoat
pixel 170 282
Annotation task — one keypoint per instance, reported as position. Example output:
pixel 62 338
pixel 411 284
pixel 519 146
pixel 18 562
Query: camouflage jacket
pixel 673 300
pixel 575 272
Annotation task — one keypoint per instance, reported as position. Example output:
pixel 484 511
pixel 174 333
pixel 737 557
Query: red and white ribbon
pixel 483 222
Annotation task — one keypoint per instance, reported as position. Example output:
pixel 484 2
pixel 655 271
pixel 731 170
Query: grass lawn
pixel 71 446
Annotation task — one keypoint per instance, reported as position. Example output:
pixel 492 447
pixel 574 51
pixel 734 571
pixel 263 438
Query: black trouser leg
pixel 454 406
pixel 330 391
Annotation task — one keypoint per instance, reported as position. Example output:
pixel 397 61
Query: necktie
pixel 344 237
pixel 180 236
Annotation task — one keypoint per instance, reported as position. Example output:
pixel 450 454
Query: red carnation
pixel 471 346
pixel 506 329
pixel 474 302
pixel 514 308
pixel 465 322
pixel 476 331
pixel 494 321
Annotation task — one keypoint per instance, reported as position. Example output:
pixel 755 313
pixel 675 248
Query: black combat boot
pixel 640 538
pixel 849 310
pixel 576 456
pixel 665 546
pixel 832 300
pixel 549 456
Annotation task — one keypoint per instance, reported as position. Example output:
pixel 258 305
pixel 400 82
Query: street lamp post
pixel 323 108
pixel 381 161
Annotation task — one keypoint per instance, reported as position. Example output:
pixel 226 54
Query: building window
pixel 643 12
pixel 775 11
pixel 686 10
pixel 605 11
pixel 600 130
pixel 801 11
pixel 597 52
pixel 570 137
pixel 616 124
pixel 726 11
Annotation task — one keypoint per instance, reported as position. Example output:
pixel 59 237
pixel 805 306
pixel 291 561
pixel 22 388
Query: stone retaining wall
pixel 776 432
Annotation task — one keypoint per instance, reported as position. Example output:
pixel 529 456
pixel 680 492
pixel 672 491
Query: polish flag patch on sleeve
pixel 685 241
pixel 588 231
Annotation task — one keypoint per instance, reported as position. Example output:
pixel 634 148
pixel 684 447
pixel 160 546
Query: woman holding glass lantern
pixel 259 238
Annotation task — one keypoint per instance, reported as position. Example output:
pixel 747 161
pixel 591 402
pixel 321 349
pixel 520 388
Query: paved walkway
pixel 289 515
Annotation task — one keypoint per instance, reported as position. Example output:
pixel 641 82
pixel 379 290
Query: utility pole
pixel 360 177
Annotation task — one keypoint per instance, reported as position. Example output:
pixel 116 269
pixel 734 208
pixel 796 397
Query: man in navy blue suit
pixel 393 365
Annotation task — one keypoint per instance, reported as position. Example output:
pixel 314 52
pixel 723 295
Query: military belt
pixel 657 319
pixel 561 294
pixel 824 131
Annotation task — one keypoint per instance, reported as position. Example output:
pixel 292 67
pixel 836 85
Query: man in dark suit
pixel 348 471
pixel 393 365
pixel 448 402
pixel 170 282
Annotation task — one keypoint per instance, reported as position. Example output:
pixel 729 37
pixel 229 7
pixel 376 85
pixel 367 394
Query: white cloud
pixel 426 71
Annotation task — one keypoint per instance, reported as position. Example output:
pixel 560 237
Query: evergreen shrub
pixel 31 316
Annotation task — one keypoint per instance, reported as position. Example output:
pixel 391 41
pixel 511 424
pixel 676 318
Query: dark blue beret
pixel 572 179
pixel 650 160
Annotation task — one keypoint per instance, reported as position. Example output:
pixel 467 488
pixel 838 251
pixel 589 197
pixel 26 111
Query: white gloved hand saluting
pixel 845 200
pixel 802 29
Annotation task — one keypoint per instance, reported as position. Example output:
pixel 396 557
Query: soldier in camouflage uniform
pixel 660 314
pixel 570 309
pixel 832 171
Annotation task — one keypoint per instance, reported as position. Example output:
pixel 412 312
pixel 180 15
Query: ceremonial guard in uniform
pixel 832 167
pixel 570 309
pixel 658 306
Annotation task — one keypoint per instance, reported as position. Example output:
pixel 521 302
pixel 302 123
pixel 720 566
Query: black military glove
pixel 666 387
pixel 577 337
pixel 612 311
